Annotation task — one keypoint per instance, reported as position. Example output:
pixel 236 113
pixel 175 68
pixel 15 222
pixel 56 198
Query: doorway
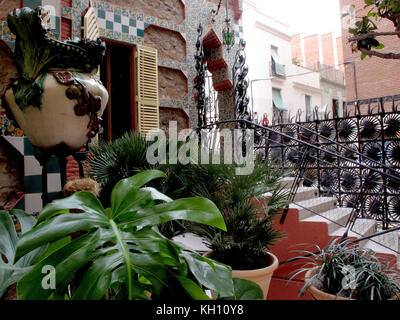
pixel 117 73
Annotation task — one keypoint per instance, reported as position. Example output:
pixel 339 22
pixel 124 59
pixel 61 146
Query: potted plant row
pixel 116 252
pixel 244 246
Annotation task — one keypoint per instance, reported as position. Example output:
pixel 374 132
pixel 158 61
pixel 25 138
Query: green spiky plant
pixel 112 161
pixel 373 278
pixel 109 162
pixel 250 231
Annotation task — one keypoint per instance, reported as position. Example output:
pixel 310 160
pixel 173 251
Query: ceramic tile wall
pixel 122 24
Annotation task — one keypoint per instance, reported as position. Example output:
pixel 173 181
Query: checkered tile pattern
pixel 32 201
pixel 113 22
pixel 33 179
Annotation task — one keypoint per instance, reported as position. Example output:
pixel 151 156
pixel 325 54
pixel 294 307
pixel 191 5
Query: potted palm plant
pixel 344 271
pixel 248 215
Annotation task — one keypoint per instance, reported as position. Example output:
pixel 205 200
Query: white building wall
pixel 261 32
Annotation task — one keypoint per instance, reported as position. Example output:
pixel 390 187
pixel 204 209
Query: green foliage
pixel 112 161
pixel 249 228
pixel 11 272
pixel 379 10
pixel 373 279
pixel 118 252
pixel 246 290
pixel 248 234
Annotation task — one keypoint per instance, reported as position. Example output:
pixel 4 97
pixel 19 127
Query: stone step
pixel 335 218
pixel 309 208
pixel 388 244
pixel 305 193
pixel 287 182
pixel 302 194
pixel 361 228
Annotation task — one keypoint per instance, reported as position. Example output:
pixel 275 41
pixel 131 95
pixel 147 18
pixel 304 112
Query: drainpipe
pixel 355 76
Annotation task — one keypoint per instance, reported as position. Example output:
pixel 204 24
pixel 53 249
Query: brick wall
pixel 376 77
pixel 311 48
pixel 297 53
pixel 339 47
pixel 327 49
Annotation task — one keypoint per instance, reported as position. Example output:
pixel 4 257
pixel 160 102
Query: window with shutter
pixel 89 25
pixel 147 90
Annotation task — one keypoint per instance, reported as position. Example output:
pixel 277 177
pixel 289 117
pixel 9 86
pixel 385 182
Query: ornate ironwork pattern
pixel 240 84
pixel 200 85
pixel 359 160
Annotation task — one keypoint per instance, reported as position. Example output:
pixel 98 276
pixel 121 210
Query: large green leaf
pixel 211 274
pixel 198 210
pixel 11 272
pixel 57 228
pixel 115 247
pixel 193 289
pixel 84 201
pixel 247 290
pixel 124 192
pixel 98 278
pixel 65 261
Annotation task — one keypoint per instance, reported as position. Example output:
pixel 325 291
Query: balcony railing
pixel 330 73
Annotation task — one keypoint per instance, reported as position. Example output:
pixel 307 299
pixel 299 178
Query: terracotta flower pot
pixel 320 295
pixel 260 276
pixel 58 120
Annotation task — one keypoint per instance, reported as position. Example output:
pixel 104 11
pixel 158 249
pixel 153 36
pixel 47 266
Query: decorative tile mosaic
pixel 123 24
pixel 9 127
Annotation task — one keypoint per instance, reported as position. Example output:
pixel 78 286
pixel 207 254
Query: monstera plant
pixel 118 252
pixel 11 272
pixel 55 96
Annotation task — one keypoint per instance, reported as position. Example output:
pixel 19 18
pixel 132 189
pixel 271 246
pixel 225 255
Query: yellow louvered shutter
pixel 147 90
pixel 90 27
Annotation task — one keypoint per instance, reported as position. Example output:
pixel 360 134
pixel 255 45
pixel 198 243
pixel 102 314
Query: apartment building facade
pixel 324 54
pixel 277 86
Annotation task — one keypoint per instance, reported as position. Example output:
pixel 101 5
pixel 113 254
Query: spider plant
pixel 346 270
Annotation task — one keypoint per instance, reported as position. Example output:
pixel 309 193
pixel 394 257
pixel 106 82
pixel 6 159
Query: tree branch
pixel 389 55
pixel 373 34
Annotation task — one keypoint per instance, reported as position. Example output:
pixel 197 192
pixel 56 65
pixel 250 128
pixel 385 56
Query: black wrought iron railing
pixel 355 158
pixel 356 150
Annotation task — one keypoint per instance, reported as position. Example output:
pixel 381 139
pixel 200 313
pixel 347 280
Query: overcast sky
pixel 305 16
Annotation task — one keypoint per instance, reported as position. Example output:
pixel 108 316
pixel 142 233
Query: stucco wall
pixel 171 10
pixel 172 83
pixel 8 5
pixel 170 44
